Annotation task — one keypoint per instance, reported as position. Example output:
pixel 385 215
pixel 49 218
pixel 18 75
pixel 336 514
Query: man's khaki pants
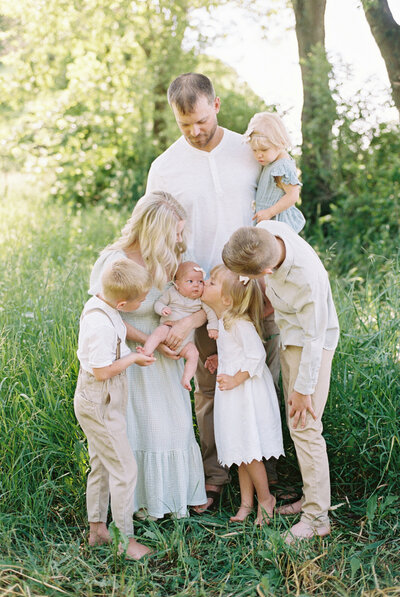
pixel 100 408
pixel 216 474
pixel 309 444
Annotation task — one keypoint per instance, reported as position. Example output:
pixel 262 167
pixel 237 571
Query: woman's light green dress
pixel 159 419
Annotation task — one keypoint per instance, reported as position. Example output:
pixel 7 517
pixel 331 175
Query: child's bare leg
pixel 191 354
pixel 246 495
pixel 155 338
pixel 266 501
pixel 98 533
pixel 136 550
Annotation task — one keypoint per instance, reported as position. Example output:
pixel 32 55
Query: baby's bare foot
pixel 265 511
pixel 241 514
pixel 186 383
pixel 98 534
pixel 136 550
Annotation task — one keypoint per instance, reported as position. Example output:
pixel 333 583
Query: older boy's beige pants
pixel 309 443
pixel 216 474
pixel 100 408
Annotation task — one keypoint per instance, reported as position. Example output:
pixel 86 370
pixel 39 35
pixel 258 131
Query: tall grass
pixel 46 252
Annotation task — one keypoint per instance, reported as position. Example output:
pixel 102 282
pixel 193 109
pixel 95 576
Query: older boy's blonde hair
pixel 153 226
pixel 266 128
pixel 250 251
pixel 125 280
pixel 246 300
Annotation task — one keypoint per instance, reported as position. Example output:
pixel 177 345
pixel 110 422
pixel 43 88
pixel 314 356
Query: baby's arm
pixel 161 306
pixel 291 196
pixel 212 325
pixel 118 366
pixel 228 382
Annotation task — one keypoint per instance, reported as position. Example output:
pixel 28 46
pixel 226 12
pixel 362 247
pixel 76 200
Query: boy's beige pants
pixel 100 407
pixel 309 443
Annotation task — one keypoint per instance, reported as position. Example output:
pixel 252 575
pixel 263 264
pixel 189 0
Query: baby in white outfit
pixel 180 300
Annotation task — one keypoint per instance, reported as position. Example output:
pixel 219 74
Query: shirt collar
pixel 283 271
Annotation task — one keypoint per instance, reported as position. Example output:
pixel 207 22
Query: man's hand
pixel 211 363
pixel 300 404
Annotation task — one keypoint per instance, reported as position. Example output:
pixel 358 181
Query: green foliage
pixel 86 84
pixel 46 251
pixel 365 220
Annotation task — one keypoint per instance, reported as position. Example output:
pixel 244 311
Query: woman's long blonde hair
pixel 152 226
pixel 246 299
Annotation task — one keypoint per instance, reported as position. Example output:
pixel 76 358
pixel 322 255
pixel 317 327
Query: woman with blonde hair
pixel 159 415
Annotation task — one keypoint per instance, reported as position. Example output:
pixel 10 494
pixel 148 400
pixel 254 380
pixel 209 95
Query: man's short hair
pixel 185 91
pixel 125 280
pixel 250 251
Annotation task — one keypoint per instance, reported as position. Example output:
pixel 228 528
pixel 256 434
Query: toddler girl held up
pixel 278 187
pixel 246 411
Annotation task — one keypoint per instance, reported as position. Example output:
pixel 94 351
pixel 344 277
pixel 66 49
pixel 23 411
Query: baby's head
pixel 125 285
pixel 267 131
pixel 189 280
pixel 250 251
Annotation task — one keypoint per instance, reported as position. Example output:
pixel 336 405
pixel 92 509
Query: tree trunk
pixel 319 110
pixel 387 36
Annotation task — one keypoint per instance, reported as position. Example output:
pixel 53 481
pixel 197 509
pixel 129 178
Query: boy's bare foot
pixel 136 550
pixel 265 511
pixel 241 514
pixel 98 534
pixel 289 509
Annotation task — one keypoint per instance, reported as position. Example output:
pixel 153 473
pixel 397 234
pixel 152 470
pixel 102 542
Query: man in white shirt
pixel 298 288
pixel 213 174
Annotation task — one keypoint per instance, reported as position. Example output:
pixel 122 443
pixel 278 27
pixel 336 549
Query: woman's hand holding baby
pixel 211 363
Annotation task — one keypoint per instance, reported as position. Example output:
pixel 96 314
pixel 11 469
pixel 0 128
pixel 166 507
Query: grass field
pixel 46 252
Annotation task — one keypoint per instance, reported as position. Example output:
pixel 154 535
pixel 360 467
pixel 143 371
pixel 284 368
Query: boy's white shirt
pixel 301 296
pixel 97 342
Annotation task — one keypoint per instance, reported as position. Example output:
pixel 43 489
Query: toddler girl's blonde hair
pixel 266 128
pixel 246 298
pixel 153 226
pixel 249 251
pixel 125 280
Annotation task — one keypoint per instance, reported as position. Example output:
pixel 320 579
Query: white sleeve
pixel 101 345
pixel 155 182
pixel 253 349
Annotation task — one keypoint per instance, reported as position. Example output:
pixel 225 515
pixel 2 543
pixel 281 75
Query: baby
pixel 180 300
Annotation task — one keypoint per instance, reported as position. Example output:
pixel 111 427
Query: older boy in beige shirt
pixel 298 288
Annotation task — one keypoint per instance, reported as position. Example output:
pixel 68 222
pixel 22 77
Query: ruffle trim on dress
pixel 288 173
pixel 169 482
pixel 240 459
pixel 254 366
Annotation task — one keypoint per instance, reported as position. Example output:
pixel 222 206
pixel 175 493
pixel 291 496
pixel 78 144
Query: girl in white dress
pixel 246 410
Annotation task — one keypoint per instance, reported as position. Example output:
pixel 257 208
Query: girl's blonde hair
pixel 153 226
pixel 246 299
pixel 125 280
pixel 266 128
